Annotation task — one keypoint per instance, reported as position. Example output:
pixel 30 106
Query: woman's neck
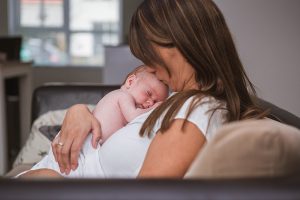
pixel 191 84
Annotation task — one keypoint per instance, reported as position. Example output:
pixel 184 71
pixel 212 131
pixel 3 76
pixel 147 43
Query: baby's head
pixel 145 88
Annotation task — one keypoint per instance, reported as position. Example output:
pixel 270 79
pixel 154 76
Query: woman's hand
pixel 77 124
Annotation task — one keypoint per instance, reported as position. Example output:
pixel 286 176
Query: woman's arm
pixel 41 173
pixel 77 124
pixel 170 154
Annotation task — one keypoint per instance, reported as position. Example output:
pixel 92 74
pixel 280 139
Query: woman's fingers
pixel 53 146
pixel 58 150
pixel 96 133
pixel 65 155
pixel 62 144
pixel 63 149
pixel 75 149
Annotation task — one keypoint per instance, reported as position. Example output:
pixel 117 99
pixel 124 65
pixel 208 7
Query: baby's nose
pixel 149 103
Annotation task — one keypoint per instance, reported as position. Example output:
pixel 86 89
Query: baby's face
pixel 147 90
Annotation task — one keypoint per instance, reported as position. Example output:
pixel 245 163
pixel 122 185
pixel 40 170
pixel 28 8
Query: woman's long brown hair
pixel 198 30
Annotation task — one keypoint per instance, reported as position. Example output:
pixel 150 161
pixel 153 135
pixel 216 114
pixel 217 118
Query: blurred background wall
pixel 266 34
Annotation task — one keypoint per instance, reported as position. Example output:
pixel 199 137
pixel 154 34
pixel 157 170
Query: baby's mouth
pixel 140 106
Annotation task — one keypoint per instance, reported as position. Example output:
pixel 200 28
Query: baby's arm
pixel 128 107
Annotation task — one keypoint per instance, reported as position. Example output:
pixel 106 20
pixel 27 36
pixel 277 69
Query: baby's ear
pixel 130 80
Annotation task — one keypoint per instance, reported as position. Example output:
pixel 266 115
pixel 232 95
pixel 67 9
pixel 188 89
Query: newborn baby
pixel 140 93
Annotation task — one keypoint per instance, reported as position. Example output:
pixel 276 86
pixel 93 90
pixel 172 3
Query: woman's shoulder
pixel 197 103
pixel 204 103
pixel 207 113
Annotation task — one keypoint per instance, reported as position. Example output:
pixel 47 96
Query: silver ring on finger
pixel 60 144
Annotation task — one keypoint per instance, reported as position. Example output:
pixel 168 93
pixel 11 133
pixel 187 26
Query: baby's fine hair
pixel 136 71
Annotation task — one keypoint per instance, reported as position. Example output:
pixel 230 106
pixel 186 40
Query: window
pixel 66 32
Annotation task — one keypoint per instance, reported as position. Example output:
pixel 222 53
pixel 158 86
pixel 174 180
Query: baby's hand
pixel 155 105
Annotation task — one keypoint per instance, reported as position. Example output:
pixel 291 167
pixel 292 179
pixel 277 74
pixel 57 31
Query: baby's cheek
pixel 139 101
pixel 143 98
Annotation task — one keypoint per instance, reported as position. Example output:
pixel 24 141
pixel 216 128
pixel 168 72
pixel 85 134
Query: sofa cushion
pixel 18 169
pixel 38 143
pixel 43 130
pixel 251 148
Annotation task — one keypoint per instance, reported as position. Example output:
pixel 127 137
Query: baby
pixel 140 93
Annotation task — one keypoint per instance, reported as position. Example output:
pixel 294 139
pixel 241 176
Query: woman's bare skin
pixel 41 173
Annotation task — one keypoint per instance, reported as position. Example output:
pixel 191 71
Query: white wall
pixel 119 61
pixel 267 34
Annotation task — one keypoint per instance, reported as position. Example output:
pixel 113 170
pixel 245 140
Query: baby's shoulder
pixel 119 94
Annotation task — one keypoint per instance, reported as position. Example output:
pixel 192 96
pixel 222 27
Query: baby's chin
pixel 143 107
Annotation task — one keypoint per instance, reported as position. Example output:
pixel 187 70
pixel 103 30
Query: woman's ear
pixel 130 80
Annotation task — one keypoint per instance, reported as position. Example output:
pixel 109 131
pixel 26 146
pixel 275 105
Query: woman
pixel 189 47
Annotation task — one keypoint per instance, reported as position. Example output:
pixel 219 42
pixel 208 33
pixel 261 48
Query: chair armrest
pixel 280 114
